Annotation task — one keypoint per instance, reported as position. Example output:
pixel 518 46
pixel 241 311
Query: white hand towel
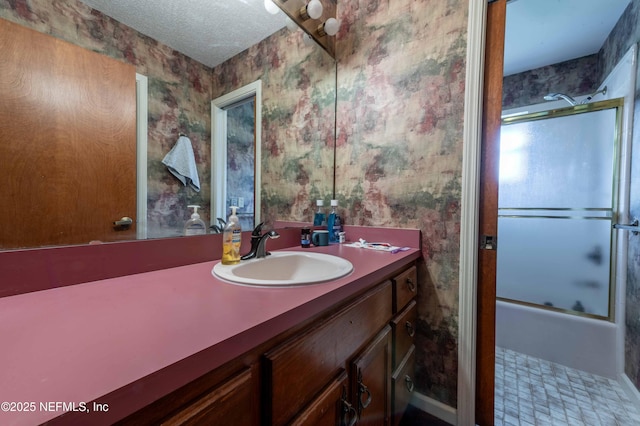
pixel 182 163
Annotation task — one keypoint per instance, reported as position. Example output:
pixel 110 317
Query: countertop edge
pixel 130 398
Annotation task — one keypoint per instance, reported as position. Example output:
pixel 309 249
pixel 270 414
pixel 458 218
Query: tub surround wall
pixel 179 96
pixel 626 33
pixel 401 84
pixel 576 77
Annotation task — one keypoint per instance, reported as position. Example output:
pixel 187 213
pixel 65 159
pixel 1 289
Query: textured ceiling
pixel 545 32
pixel 209 31
pixel 538 32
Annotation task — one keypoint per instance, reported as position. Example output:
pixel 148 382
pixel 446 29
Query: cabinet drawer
pixel 329 407
pixel 405 288
pixel 298 369
pixel 402 386
pixel 230 403
pixel 404 329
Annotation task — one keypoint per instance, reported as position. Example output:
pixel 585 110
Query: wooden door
pixel 371 381
pixel 486 295
pixel 328 408
pixel 67 142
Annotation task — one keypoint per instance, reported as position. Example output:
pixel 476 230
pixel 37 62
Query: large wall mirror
pixel 298 110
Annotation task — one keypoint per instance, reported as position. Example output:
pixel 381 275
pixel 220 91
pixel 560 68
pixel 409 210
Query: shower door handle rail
pixel 633 227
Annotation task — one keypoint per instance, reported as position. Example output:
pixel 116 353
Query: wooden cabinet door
pixel 330 407
pixel 297 370
pixel 371 381
pixel 402 385
pixel 231 403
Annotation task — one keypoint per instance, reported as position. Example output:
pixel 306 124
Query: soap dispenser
pixel 195 225
pixel 231 239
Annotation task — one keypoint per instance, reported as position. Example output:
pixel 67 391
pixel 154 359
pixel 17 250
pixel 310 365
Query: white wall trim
pixel 142 100
pixel 470 204
pixel 434 408
pixel 219 148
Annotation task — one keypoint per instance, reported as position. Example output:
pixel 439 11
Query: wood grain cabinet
pixel 352 365
pixel 403 324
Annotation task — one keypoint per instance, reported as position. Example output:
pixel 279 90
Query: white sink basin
pixel 285 268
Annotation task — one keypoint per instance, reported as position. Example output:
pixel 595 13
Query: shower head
pixel 573 102
pixel 558 96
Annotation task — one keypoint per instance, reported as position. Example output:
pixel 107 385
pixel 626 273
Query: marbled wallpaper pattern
pixel 179 96
pixel 576 77
pixel 298 120
pixel 401 81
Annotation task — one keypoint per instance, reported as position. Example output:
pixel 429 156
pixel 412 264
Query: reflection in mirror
pixel 298 110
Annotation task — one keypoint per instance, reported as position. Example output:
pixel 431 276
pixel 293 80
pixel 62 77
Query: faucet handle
pixel 257 231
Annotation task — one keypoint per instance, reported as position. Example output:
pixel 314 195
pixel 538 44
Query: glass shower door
pixel 557 195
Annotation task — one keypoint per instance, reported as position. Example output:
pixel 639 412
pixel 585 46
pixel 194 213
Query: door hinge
pixel 488 242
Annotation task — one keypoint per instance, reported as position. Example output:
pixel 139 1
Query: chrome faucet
pixel 259 243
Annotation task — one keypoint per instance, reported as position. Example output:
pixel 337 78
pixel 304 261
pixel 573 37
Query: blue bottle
pixel 319 219
pixel 334 224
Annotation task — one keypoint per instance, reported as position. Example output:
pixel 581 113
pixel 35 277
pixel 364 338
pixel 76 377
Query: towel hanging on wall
pixel 182 163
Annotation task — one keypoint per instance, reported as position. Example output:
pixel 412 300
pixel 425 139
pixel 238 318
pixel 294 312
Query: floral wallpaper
pixel 401 81
pixel 298 120
pixel 179 97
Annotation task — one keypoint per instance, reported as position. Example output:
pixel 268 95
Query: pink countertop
pixel 127 341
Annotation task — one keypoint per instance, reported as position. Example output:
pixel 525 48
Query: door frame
pixel 483 99
pixel 219 149
pixel 142 108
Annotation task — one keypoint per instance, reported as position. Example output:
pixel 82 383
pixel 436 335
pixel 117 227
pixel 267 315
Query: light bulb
pixel 314 9
pixel 271 7
pixel 331 26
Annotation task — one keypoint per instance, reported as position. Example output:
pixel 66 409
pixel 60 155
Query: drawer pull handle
pixel 363 389
pixel 350 416
pixel 411 285
pixel 408 383
pixel 410 330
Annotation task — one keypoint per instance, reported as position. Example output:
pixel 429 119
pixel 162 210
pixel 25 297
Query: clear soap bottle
pixel 231 239
pixel 195 225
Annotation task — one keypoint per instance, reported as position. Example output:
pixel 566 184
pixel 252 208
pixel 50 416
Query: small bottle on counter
pixel 334 223
pixel 319 218
pixel 305 237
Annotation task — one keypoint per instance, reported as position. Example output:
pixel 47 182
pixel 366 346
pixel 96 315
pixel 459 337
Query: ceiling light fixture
pixel 271 7
pixel 312 10
pixel 330 27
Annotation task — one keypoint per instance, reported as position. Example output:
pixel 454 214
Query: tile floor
pixel 531 391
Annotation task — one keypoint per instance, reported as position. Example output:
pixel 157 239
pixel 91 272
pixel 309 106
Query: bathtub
pixel 578 342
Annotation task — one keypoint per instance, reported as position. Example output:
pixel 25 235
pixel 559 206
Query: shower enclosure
pixel 556 244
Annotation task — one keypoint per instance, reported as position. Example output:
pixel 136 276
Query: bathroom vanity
pixel 179 346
